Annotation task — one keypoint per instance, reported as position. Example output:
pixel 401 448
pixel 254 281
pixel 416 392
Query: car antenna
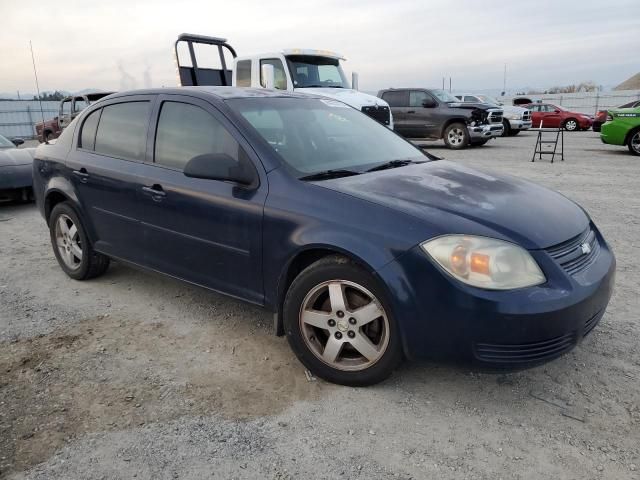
pixel 35 73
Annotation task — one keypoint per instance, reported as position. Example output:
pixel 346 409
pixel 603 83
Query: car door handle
pixel 156 191
pixel 82 174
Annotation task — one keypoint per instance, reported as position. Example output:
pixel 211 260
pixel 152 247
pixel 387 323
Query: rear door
pixel 208 232
pixel 398 100
pixel 105 166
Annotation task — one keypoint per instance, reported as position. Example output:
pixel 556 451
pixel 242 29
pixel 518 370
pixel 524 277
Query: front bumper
pixel 443 319
pixel 13 177
pixel 520 124
pixel 485 131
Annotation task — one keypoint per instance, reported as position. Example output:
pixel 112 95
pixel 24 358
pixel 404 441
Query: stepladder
pixel 550 141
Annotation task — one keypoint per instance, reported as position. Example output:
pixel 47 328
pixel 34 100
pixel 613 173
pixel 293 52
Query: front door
pixel 421 121
pixel 398 100
pixel 104 165
pixel 208 232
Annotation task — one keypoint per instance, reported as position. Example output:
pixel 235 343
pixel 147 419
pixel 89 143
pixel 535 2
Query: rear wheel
pixel 456 136
pixel 71 245
pixel 339 325
pixel 634 142
pixel 571 125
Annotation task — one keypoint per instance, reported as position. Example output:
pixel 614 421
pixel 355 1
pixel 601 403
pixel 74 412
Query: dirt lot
pixel 137 375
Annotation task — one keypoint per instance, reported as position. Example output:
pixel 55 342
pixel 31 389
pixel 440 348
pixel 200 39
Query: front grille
pixel 526 116
pixel 525 352
pixel 577 254
pixel 381 114
pixel 495 116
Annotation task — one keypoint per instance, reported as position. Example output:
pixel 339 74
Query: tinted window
pixel 186 131
pixel 416 98
pixel 469 98
pixel 243 73
pixel 122 130
pixel 279 73
pixel 396 99
pixel 89 127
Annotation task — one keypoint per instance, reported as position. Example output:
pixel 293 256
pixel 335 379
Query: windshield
pixel 4 143
pixel 316 71
pixel 315 135
pixel 491 100
pixel 445 96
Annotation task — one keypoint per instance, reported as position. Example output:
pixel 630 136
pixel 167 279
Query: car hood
pixel 452 198
pixel 474 105
pixel 349 96
pixel 15 156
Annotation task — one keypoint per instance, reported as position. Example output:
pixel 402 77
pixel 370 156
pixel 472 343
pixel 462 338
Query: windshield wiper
pixel 328 174
pixel 394 164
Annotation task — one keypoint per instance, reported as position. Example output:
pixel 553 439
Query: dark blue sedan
pixel 367 250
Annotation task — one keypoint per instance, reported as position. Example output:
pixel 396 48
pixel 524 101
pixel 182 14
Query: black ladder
pixel 543 142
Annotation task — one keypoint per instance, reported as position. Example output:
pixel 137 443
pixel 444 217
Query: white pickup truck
pixel 302 70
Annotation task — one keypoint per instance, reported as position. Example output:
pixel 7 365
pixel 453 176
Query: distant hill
pixel 30 95
pixel 631 83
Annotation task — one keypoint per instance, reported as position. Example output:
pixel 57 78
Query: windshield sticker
pixel 334 103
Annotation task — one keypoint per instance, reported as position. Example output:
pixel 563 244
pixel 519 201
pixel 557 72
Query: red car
pixel 601 116
pixel 553 116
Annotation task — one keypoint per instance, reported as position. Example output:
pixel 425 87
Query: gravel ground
pixel 137 375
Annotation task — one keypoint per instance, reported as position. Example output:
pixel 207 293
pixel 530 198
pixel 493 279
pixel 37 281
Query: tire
pixel 71 246
pixel 479 143
pixel 507 128
pixel 319 331
pixel 634 142
pixel 571 125
pixel 47 136
pixel 456 136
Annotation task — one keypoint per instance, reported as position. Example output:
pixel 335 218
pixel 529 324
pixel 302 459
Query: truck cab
pixel 316 72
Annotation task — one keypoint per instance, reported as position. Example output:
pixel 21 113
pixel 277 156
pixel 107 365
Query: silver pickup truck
pixel 515 119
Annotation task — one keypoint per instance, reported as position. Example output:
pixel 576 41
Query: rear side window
pixel 243 73
pixel 186 131
pixel 122 130
pixel 89 127
pixel 396 99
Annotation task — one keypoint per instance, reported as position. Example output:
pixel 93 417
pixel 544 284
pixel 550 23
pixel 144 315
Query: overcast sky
pixel 118 44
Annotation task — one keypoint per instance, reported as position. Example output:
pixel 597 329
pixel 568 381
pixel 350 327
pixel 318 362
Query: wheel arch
pixel 449 121
pixel 630 134
pixel 60 190
pixel 300 260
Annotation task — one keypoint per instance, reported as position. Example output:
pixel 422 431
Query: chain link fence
pixel 583 102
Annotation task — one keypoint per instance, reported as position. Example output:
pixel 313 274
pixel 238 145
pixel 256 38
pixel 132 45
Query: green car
pixel 623 128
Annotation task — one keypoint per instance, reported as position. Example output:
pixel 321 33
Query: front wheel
pixel 507 128
pixel 571 125
pixel 456 136
pixel 634 143
pixel 339 325
pixel 71 245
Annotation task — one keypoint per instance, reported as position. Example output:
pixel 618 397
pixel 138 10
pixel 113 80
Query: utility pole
pixel 504 81
pixel 449 84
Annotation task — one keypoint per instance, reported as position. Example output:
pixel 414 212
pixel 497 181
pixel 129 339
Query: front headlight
pixel 485 262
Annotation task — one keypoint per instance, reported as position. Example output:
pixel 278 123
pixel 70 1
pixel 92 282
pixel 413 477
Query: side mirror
pixel 354 80
pixel 268 76
pixel 17 141
pixel 556 111
pixel 219 166
pixel 429 103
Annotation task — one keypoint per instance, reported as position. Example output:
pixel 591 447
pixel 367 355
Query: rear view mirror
pixel 219 166
pixel 17 141
pixel 429 103
pixel 268 76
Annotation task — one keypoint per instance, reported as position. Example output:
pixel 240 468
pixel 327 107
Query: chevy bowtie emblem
pixel 586 248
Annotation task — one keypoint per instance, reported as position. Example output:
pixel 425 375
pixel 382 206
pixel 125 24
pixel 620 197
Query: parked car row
pixel 367 249
pixel 15 170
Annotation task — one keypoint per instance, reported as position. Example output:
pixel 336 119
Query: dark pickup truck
pixel 70 107
pixel 420 113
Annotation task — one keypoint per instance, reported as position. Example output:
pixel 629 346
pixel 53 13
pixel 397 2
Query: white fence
pixel 18 117
pixel 583 102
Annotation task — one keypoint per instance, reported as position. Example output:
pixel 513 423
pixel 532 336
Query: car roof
pixel 221 93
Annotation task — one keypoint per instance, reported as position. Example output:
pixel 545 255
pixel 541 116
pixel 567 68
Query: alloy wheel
pixel 344 325
pixel 571 125
pixel 68 242
pixel 634 142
